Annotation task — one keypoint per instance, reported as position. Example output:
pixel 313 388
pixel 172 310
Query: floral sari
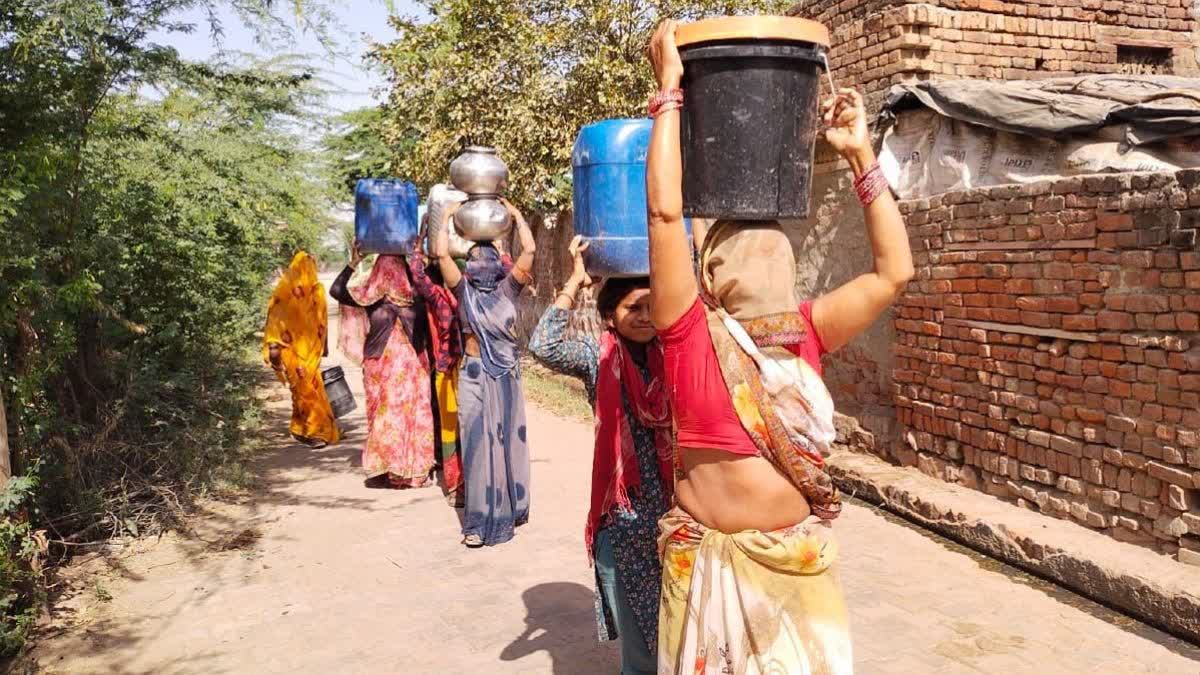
pixel 759 602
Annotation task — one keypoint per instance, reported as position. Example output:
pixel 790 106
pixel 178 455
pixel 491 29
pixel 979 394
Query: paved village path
pixel 314 573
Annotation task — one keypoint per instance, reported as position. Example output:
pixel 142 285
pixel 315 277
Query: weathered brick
pixel 1182 499
pixel 1114 321
pixel 1171 474
pixel 1110 222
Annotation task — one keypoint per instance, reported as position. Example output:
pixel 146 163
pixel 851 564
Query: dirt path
pixel 313 573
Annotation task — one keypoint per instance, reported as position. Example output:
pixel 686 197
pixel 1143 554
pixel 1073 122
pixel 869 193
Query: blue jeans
pixel 636 656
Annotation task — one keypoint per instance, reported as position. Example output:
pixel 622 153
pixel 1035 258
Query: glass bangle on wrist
pixel 667 99
pixel 870 185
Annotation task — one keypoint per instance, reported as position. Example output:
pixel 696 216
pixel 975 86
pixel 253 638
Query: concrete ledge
pixel 1157 590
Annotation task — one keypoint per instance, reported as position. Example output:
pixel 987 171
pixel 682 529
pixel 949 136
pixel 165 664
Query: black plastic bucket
pixel 340 397
pixel 749 128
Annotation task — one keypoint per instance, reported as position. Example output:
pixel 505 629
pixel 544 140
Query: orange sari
pixel 297 323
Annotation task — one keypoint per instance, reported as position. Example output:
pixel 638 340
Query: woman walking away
pixel 631 463
pixel 295 339
pixel 491 399
pixel 447 346
pixel 384 327
pixel 748 552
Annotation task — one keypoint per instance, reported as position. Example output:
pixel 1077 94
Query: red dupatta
pixel 614 463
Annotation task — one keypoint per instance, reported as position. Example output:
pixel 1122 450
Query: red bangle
pixel 667 107
pixel 870 185
pixel 662 98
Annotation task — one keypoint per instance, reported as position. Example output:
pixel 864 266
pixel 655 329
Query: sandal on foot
pixel 473 541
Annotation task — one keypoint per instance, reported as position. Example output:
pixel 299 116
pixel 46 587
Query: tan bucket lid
pixel 752 28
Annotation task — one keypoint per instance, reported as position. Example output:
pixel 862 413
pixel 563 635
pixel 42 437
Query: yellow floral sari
pixel 750 602
pixel 297 324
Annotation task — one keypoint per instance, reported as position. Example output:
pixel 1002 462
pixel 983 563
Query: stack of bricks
pixel 1048 351
pixel 878 43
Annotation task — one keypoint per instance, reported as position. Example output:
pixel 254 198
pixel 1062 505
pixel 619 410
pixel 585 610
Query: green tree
pixel 523 75
pixel 144 202
pixel 353 147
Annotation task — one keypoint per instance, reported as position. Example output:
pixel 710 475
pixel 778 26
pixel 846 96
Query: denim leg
pixel 606 571
pixel 636 656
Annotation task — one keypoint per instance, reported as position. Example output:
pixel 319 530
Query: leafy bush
pixel 144 204
pixel 22 551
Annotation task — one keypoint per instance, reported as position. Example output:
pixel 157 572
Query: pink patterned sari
pixel 399 417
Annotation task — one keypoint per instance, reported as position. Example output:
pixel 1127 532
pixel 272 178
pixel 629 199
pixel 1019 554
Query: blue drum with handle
pixel 385 215
pixel 609 170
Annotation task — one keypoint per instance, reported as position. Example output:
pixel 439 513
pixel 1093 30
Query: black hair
pixel 614 291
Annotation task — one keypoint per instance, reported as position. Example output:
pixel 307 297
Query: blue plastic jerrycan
pixel 385 215
pixel 609 170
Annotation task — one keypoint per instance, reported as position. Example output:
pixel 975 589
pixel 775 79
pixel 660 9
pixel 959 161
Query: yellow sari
pixel 297 323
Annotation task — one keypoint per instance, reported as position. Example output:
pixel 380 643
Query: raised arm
pixel 339 291
pixel 699 233
pixel 421 281
pixel 842 314
pixel 549 344
pixel 441 248
pixel 416 266
pixel 672 279
pixel 524 263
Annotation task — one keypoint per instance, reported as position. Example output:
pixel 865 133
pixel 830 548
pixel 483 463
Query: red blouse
pixel 704 414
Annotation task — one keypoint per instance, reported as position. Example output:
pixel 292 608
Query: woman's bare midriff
pixel 732 493
pixel 471 345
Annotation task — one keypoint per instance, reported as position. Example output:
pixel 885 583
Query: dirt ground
pixel 311 572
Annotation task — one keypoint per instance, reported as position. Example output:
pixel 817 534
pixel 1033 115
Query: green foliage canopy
pixel 524 76
pixel 353 148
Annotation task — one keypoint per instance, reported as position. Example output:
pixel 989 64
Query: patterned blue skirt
pixel 495 454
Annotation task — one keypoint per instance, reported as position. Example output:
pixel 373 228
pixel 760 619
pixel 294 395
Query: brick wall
pixel 1048 351
pixel 877 43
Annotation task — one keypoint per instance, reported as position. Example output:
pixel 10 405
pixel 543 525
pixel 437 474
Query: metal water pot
pixel 479 171
pixel 483 220
pixel 442 197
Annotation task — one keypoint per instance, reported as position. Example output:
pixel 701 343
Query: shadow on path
pixel 550 609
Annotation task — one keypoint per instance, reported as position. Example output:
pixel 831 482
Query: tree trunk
pixel 5 460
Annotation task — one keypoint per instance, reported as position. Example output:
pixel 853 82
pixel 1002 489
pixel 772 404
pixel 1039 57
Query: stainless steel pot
pixel 441 197
pixel 479 171
pixel 459 247
pixel 483 220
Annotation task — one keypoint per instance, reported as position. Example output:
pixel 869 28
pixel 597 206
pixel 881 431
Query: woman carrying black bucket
pixel 748 552
pixel 294 340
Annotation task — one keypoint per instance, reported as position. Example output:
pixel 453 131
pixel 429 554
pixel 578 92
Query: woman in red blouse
pixel 748 582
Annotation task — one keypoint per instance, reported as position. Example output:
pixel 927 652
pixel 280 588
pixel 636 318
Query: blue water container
pixel 609 171
pixel 385 215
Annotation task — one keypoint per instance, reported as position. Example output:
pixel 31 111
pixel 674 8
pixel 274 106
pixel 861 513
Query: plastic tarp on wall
pixel 960 134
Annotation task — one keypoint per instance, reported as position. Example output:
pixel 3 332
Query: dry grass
pixel 557 394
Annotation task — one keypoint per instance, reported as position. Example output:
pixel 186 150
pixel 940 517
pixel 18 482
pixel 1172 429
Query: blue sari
pixel 491 408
